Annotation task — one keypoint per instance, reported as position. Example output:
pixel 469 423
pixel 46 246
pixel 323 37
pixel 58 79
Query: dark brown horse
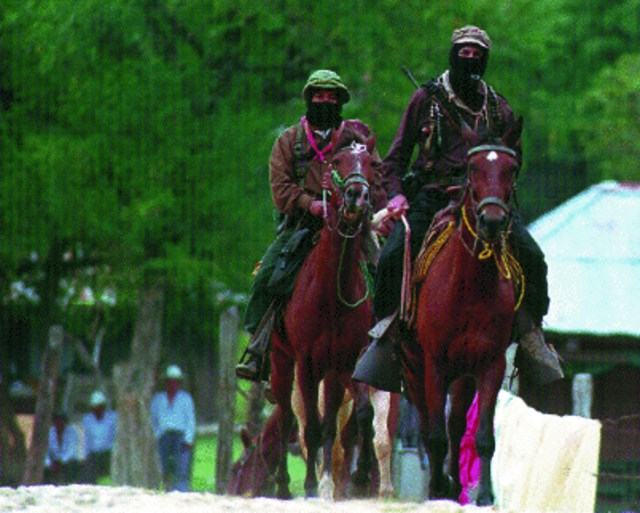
pixel 468 286
pixel 324 326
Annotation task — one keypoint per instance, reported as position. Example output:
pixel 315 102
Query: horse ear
pixel 514 135
pixel 371 143
pixel 246 439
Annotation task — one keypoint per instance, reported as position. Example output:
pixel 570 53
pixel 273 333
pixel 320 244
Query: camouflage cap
pixel 471 35
pixel 326 79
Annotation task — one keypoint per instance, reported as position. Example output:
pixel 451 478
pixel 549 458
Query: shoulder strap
pixel 301 159
pixel 436 91
pixel 494 111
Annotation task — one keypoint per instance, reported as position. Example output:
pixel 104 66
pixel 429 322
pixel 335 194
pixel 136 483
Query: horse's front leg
pixel 282 385
pixel 489 387
pixel 435 432
pixel 364 418
pixel 312 433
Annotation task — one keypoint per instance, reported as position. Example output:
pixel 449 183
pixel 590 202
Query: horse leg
pixel 435 434
pixel 462 394
pixel 312 433
pixel 489 387
pixel 282 385
pixel 382 442
pixel 364 418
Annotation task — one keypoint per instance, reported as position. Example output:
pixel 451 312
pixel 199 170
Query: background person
pixel 174 426
pixel 62 463
pixel 100 426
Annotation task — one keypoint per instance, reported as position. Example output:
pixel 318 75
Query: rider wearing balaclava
pixel 321 113
pixel 468 60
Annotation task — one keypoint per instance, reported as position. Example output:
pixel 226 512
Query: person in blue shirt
pixel 62 462
pixel 100 426
pixel 174 426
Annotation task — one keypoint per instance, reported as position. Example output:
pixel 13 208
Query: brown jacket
pixel 442 166
pixel 291 194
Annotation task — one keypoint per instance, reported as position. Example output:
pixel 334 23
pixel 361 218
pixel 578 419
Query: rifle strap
pixel 437 92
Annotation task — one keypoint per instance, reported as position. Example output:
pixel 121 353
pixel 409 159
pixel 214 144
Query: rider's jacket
pixel 432 121
pixel 297 169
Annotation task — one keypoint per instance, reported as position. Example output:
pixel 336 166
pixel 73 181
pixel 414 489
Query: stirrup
pixel 249 370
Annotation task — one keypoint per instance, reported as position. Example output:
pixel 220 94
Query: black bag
pixel 289 262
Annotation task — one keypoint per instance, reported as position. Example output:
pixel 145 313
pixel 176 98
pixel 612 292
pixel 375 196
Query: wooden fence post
pixel 229 321
pixel 44 408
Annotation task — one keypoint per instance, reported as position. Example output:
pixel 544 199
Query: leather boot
pixel 379 365
pixel 254 363
pixel 535 359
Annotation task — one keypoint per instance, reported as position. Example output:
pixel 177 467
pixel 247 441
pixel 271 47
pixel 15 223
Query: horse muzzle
pixel 355 202
pixel 494 218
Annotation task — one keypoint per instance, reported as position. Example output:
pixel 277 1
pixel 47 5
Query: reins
pixel 342 184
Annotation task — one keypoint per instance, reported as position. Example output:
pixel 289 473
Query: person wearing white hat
pixel 62 464
pixel 174 426
pixel 100 426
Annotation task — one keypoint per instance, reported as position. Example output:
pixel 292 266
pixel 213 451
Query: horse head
pixel 352 176
pixel 493 167
pixel 250 476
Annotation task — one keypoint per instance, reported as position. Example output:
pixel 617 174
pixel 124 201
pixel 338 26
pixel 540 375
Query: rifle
pixel 406 71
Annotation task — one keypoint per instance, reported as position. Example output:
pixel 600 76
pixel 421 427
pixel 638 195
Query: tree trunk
pixel 14 453
pixel 44 408
pixel 135 459
pixel 228 355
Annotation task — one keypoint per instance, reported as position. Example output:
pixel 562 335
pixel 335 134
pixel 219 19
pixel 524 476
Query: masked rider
pixel 432 122
pixel 300 159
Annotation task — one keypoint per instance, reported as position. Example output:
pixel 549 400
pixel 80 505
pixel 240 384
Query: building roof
pixel 592 247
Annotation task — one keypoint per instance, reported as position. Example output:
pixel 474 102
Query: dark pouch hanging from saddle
pixel 290 261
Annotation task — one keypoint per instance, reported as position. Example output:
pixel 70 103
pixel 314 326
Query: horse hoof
pixel 311 492
pixel 285 495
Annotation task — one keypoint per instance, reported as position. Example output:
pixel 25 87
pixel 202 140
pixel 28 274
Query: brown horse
pixel 324 326
pixel 468 286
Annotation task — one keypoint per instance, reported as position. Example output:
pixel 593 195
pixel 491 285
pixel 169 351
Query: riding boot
pixel 254 363
pixel 379 365
pixel 535 359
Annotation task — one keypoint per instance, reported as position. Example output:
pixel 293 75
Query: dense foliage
pixel 136 133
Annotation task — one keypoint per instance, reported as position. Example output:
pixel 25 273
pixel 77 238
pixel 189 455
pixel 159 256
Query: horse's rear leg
pixel 488 389
pixel 462 395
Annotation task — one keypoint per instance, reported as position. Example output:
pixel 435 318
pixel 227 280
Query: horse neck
pixel 339 252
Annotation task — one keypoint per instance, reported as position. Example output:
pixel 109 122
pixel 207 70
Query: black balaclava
pixel 324 115
pixel 466 74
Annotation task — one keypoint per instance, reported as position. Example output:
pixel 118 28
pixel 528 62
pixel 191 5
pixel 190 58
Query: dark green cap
pixel 326 79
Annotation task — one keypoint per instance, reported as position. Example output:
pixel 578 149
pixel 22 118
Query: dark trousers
pixel 62 473
pixel 175 458
pixel 388 281
pixel 98 464
pixel 261 294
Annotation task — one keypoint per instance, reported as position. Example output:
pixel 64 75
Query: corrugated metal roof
pixel 592 247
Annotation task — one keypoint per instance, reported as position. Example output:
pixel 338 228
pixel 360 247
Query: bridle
pixel 342 185
pixel 489 247
pixel 491 200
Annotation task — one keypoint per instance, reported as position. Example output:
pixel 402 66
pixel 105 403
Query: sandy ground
pixel 103 499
